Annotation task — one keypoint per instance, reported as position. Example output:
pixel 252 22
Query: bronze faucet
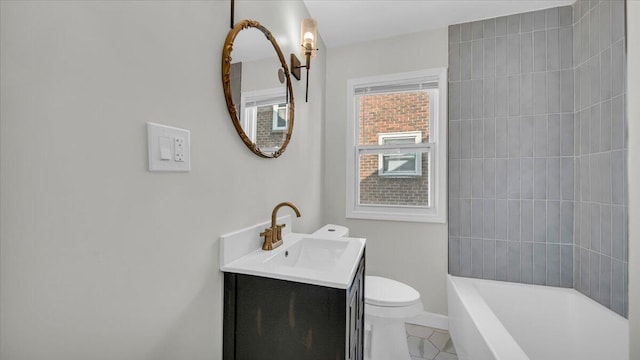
pixel 273 235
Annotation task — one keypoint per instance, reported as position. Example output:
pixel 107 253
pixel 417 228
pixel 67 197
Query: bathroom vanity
pixel 303 300
pixel 278 319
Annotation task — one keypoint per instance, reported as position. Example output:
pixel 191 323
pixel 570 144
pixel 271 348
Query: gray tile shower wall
pixel 600 257
pixel 511 166
pixel 537 149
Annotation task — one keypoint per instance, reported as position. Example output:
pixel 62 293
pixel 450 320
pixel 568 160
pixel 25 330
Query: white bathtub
pixel 509 321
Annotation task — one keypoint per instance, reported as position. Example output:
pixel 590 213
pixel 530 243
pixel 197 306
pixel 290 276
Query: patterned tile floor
pixel 429 343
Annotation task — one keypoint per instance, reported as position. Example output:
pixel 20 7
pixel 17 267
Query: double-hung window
pixel 396 167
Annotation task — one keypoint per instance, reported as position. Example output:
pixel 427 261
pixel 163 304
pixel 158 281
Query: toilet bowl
pixel 388 303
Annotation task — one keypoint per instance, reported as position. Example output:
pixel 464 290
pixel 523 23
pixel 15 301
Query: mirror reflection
pixel 259 89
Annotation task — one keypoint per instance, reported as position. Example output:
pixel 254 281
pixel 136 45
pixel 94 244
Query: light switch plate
pixel 169 148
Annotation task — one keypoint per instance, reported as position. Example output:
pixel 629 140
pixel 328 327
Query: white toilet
pixel 388 303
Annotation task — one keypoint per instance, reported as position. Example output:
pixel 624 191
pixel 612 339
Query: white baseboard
pixel 432 320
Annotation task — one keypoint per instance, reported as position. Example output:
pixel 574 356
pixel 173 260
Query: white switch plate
pixel 171 155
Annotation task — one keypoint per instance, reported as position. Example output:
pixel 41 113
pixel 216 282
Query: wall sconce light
pixel 308 44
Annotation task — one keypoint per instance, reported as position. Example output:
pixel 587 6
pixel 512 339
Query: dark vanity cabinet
pixel 276 319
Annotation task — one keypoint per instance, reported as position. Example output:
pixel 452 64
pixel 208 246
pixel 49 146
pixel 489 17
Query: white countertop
pixel 259 262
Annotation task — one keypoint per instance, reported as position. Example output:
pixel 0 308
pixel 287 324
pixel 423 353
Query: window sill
pixel 405 216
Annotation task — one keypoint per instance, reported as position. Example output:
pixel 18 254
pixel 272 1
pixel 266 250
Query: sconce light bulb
pixel 308 38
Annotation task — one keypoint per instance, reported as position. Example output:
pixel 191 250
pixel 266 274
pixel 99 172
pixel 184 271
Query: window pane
pixel 403 163
pixel 402 140
pixel 280 117
pixel 398 190
pixel 389 113
pixel 266 136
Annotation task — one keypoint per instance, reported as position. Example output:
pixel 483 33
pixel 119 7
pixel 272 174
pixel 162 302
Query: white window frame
pixel 416 136
pixel 436 150
pixel 276 114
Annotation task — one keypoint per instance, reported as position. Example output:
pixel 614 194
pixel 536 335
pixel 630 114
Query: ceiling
pixel 343 22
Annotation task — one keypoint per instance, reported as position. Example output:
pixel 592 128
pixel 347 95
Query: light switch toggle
pixel 169 148
pixel 165 147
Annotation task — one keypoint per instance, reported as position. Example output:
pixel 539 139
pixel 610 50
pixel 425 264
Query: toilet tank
pixel 331 231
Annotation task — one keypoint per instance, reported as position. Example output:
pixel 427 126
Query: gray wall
pixel 99 258
pixel 413 253
pixel 511 148
pixel 601 187
pixel 538 149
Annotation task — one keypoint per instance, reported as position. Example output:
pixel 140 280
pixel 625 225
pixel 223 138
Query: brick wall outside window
pixel 389 113
pixel 266 137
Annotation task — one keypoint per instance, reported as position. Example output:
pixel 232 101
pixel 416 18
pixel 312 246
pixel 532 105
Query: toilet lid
pixel 381 291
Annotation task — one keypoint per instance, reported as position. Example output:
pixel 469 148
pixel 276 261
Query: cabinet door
pixel 360 323
pixel 355 316
pixel 278 319
pixel 352 336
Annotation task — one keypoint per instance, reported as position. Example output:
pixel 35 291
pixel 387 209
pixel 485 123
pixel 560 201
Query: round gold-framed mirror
pixel 257 88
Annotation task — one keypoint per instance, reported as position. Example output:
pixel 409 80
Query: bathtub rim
pixel 495 336
pixel 619 324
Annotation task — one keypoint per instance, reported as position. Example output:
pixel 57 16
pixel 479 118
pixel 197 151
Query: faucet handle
pixel 279 231
pixel 268 239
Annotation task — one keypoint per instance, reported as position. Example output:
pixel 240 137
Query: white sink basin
pixel 310 253
pixel 302 258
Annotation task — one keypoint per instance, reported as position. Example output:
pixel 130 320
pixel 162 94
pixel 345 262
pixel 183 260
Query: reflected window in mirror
pixel 280 117
pixel 264 117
